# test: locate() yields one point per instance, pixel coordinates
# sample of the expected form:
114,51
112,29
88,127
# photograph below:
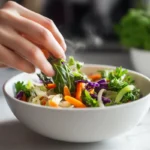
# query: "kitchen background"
86,24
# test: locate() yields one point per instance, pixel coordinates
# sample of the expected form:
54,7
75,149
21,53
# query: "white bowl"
141,60
80,125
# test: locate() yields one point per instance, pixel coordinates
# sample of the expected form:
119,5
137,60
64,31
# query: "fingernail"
63,56
64,46
51,72
48,69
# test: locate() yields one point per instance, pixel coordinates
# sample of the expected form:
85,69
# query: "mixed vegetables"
70,88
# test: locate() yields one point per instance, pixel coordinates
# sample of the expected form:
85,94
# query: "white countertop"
15,136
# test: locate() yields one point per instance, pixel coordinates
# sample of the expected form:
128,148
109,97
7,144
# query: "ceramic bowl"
141,60
80,125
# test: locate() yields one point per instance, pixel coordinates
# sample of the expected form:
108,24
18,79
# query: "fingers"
2,65
16,20
25,48
47,23
36,32
13,60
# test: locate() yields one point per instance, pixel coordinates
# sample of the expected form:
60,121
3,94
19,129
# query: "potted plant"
133,31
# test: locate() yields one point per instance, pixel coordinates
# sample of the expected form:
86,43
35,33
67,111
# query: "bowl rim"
77,109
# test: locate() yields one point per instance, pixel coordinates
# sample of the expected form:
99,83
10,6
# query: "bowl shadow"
16,136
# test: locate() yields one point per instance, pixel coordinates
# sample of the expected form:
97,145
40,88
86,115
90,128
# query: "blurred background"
88,24
88,28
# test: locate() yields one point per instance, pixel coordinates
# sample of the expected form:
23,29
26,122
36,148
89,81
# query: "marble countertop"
15,136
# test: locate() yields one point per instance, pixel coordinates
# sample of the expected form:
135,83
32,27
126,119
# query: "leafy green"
44,78
129,79
75,64
20,86
116,84
122,92
29,85
104,73
88,100
118,73
131,96
64,74
118,78
134,29
71,61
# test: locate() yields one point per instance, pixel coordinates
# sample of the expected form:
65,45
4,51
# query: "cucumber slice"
123,91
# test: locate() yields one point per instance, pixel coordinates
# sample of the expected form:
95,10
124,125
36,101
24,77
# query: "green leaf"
88,100
104,73
131,96
65,74
44,78
71,61
118,73
116,84
133,29
20,86
118,78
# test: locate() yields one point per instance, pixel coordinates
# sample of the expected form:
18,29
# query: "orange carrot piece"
24,98
79,90
95,77
52,103
43,102
51,85
74,101
80,107
92,91
46,53
66,91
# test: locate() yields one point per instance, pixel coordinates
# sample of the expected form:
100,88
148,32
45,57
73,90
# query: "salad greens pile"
134,29
66,73
69,87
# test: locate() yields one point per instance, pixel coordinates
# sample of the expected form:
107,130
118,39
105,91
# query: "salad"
70,88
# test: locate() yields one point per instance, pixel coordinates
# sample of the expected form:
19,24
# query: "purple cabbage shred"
94,96
19,95
105,100
102,85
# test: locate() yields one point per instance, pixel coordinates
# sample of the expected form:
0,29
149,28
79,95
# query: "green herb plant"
133,29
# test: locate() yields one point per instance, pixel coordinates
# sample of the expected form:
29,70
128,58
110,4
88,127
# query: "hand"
22,35
2,65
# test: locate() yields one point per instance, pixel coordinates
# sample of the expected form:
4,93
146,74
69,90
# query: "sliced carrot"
46,53
83,86
79,90
43,102
51,85
24,98
95,77
74,101
52,103
92,91
66,91
80,107
43,98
